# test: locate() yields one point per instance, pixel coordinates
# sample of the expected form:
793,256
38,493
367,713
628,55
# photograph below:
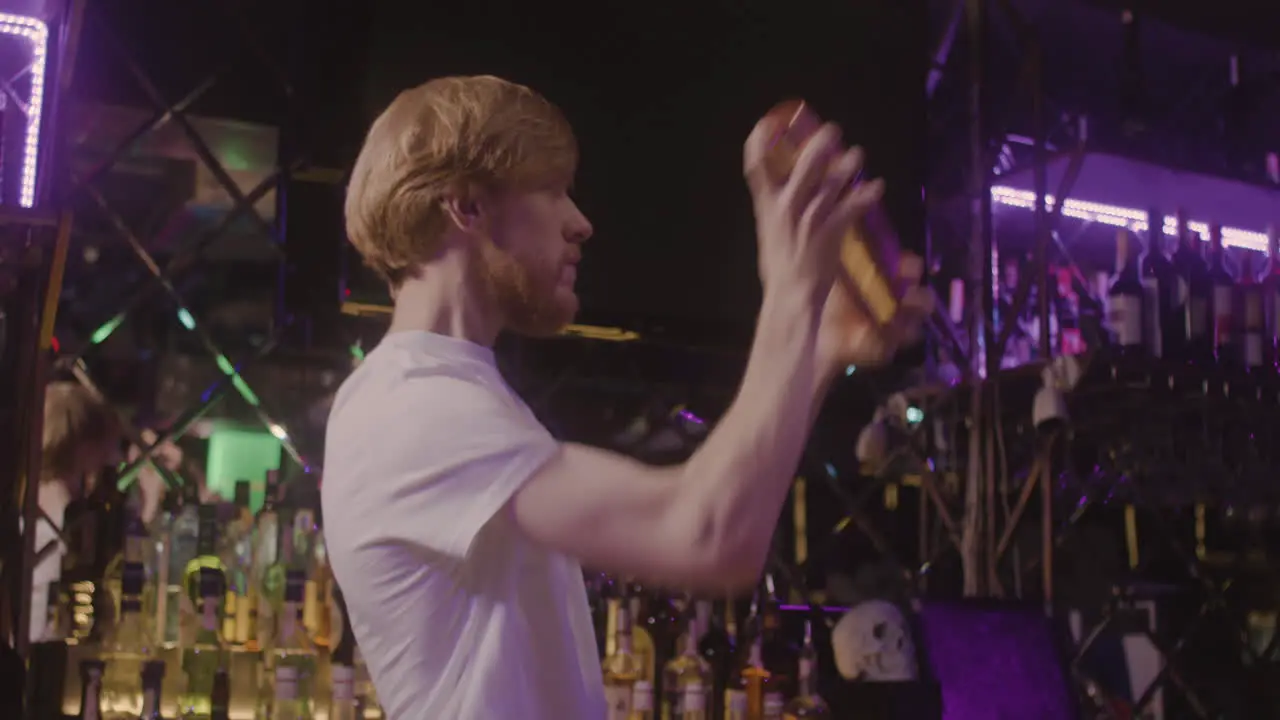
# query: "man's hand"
800,219
846,336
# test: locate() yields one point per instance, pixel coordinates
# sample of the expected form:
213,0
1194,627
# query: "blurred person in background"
81,437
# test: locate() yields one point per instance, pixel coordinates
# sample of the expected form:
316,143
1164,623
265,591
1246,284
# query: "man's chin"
551,320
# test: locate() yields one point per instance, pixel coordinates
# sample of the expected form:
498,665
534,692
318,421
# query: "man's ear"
465,211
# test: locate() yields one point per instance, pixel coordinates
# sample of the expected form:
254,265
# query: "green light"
184,317
237,453
357,352
850,370
107,328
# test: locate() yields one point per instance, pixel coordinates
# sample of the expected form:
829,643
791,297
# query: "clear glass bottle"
685,678
287,703
127,643
642,700
621,670
237,556
207,653
206,558
292,647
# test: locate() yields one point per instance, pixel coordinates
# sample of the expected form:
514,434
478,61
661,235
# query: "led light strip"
37,33
1135,220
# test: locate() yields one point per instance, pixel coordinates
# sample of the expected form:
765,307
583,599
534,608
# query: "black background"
662,96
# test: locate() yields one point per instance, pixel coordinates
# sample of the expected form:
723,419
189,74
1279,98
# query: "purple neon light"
37,33
1133,219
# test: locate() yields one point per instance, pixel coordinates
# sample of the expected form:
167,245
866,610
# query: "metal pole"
971,550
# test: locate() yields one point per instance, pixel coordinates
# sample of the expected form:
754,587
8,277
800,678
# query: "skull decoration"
872,642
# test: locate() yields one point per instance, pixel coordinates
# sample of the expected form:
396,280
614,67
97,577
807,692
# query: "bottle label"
735,704
1198,318
1275,313
286,689
1253,350
1124,315
693,699
1223,313
343,688
642,697
618,698
773,706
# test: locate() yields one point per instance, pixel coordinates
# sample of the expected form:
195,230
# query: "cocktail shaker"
869,252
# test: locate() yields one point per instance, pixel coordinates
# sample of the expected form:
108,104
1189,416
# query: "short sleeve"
434,462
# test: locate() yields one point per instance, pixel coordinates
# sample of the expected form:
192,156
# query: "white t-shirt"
457,614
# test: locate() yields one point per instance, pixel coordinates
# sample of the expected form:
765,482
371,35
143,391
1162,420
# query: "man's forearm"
736,482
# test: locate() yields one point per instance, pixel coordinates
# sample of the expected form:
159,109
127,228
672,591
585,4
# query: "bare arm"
707,523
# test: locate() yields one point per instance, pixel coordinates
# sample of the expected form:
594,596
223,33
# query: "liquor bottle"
182,535
237,556
1124,301
717,648
808,704
748,685
152,688
206,557
662,622
127,643
641,641
642,701
271,530
342,698
869,253
292,646
621,670
686,669
1160,285
287,702
773,708
1270,280
91,689
779,656
206,654
1195,290
1225,335
342,659
1252,317
219,696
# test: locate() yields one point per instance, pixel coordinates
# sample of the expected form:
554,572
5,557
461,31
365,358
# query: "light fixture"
37,33
1131,218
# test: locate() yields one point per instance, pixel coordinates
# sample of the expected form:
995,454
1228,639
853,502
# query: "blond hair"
448,137
75,418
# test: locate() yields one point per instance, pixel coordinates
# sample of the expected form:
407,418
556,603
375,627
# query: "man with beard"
455,523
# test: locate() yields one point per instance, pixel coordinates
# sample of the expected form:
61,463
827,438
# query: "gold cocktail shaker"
869,252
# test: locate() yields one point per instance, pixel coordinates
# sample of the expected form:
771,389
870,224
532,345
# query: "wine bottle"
1195,295
1160,284
1124,301
1225,318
